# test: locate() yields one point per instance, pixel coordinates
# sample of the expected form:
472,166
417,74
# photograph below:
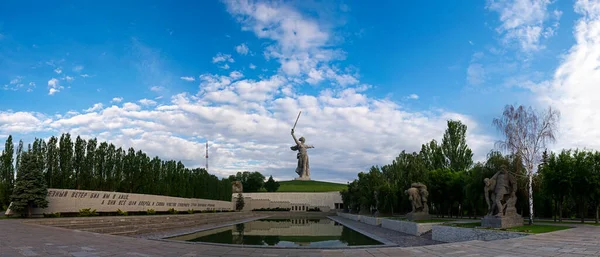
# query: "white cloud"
84,75
32,84
54,86
413,96
475,74
69,78
147,102
96,107
574,87
156,88
252,132
525,22
252,66
188,78
220,57
236,75
242,49
15,80
225,67
131,107
58,71
78,68
116,100
301,44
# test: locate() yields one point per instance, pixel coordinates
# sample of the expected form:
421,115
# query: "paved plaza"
20,239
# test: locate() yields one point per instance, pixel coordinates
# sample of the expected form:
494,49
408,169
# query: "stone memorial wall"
296,201
71,201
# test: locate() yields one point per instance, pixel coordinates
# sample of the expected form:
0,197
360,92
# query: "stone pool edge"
374,237
386,243
176,234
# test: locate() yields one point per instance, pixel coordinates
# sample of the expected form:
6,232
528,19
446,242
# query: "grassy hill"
309,186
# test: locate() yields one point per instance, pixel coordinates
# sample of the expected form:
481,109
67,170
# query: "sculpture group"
500,195
417,195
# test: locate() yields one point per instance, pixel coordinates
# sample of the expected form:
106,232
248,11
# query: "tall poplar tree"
66,160
7,172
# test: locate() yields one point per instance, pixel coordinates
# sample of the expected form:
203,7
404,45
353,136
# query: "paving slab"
19,239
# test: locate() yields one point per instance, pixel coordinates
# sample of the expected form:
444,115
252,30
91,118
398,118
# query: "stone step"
128,219
157,226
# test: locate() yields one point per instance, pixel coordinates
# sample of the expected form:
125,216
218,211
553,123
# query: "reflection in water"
284,232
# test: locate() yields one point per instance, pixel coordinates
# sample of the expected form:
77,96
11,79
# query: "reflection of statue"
417,194
500,193
303,168
236,187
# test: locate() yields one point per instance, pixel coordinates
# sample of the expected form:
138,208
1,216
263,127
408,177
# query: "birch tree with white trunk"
526,133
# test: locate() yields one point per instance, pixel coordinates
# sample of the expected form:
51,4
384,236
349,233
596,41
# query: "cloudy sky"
370,79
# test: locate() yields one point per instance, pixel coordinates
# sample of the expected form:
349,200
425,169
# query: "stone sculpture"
500,195
236,187
417,194
303,168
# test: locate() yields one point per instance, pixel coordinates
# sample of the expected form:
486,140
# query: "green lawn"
533,229
467,225
537,229
568,222
419,221
309,186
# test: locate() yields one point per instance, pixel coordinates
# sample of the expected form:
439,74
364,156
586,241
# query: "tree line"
255,181
92,165
566,184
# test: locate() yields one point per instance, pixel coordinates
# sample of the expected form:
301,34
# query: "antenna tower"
206,156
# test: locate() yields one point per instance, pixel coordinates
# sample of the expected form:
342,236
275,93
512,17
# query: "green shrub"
150,212
316,209
52,215
190,211
173,211
87,212
272,209
121,213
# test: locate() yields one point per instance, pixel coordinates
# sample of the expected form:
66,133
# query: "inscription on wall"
67,200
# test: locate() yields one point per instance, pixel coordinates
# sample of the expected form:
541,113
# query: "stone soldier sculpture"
303,168
417,194
500,194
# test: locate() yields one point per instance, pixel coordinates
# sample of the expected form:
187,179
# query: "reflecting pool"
296,232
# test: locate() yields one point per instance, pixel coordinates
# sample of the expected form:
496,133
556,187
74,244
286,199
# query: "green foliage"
30,189
271,185
309,186
190,211
52,215
7,172
121,213
150,212
94,165
88,212
316,209
172,211
272,209
251,181
454,146
239,203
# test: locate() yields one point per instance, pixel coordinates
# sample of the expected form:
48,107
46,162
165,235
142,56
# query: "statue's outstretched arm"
309,146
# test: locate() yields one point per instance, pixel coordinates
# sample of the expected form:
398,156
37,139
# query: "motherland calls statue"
417,194
303,168
500,195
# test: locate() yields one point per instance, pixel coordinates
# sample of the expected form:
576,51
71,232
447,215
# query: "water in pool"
297,232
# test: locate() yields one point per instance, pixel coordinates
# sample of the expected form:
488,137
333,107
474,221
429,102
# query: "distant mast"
206,156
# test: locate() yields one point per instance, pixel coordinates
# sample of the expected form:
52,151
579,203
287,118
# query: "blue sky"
371,79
